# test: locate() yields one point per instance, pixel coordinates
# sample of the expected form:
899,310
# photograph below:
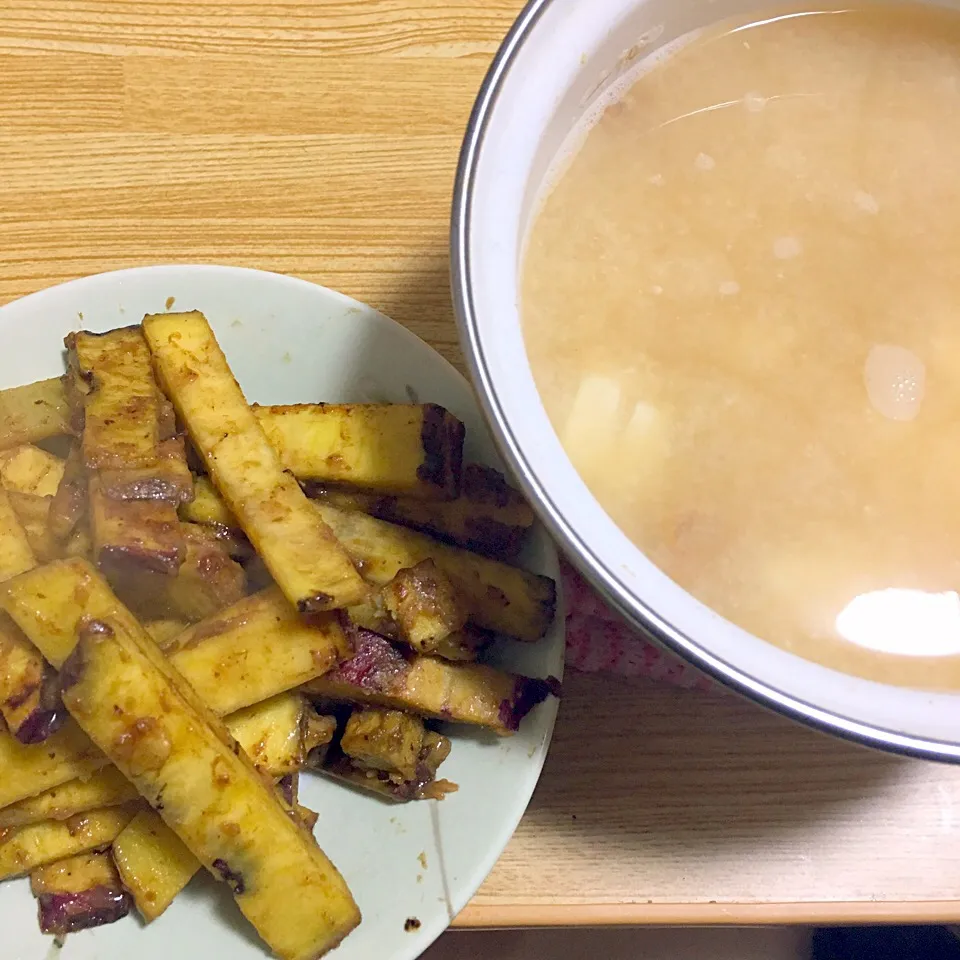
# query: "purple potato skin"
63,913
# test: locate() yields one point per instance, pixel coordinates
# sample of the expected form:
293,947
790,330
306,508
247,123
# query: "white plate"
290,341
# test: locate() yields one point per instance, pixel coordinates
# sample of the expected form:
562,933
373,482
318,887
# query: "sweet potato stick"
414,450
299,550
33,412
145,717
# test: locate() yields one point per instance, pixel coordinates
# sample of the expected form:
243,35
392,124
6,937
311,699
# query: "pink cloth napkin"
600,641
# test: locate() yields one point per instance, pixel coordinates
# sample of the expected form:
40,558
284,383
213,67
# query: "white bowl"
290,341
557,60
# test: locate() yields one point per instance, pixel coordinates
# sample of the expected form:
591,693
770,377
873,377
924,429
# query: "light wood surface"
318,138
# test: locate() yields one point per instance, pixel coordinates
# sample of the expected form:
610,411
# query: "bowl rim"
636,611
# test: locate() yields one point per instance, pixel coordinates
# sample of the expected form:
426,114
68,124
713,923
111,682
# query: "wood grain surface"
319,138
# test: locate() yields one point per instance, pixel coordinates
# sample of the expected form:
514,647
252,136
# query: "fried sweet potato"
425,606
153,863
137,709
79,543
208,506
254,649
70,500
29,702
23,849
387,740
501,598
15,553
135,534
29,691
207,581
121,405
318,729
49,603
488,517
412,450
289,787
169,479
249,652
30,769
33,412
277,735
372,614
463,645
272,734
28,469
164,632
33,512
78,893
233,540
379,675
301,553
105,788
423,785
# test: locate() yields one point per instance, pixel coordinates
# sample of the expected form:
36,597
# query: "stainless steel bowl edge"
573,545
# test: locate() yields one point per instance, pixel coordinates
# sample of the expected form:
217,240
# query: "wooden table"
318,138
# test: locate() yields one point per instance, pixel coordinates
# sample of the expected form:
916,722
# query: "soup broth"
741,303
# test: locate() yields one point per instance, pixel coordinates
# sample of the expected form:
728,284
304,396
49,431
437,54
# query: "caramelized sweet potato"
414,450
153,863
140,535
70,500
15,553
425,606
169,479
29,701
387,740
207,581
31,769
208,507
78,893
28,469
23,849
272,734
33,512
301,553
488,517
33,412
422,785
277,736
120,398
254,649
29,691
318,730
104,788
247,653
138,710
164,631
380,675
79,543
500,598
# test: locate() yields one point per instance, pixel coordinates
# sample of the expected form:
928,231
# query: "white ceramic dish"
291,341
555,64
